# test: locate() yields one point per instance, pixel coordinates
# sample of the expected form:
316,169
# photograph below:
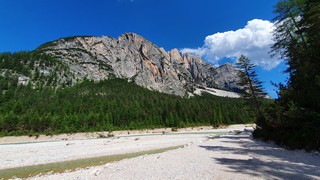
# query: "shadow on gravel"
267,160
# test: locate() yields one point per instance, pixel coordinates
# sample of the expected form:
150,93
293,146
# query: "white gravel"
233,156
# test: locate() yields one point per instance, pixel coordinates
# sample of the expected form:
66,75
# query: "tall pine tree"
253,90
294,119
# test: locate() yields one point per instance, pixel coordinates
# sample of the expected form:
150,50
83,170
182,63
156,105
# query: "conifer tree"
253,90
294,119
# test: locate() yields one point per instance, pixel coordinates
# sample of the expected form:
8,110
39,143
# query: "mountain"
102,80
132,57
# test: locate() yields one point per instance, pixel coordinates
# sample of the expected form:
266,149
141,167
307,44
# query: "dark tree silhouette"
253,90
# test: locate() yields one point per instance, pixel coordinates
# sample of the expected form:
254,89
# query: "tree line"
110,105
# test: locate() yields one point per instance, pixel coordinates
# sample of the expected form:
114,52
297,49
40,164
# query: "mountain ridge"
133,57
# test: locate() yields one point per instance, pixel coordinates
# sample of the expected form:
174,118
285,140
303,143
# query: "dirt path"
233,156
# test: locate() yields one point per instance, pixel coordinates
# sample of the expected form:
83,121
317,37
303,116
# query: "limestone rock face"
133,57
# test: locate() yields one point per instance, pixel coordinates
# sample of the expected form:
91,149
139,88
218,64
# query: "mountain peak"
132,34
129,36
133,57
227,65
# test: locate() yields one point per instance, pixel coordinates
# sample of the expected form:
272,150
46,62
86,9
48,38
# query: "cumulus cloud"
254,41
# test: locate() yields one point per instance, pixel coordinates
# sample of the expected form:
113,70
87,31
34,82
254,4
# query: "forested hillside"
32,68
110,105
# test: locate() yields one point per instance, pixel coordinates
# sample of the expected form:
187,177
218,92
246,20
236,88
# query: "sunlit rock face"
132,57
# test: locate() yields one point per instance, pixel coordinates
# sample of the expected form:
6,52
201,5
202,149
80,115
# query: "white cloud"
254,41
198,51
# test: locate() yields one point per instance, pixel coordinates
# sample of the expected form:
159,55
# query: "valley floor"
205,154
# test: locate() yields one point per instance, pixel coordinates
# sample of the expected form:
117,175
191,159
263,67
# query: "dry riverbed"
200,153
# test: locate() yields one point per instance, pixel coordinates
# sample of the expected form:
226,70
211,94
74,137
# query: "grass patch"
59,167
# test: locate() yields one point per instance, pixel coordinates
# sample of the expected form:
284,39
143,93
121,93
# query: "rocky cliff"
133,57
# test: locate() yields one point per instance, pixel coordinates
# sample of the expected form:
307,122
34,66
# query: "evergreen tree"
294,119
253,90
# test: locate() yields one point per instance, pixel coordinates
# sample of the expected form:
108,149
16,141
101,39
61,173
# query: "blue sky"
183,24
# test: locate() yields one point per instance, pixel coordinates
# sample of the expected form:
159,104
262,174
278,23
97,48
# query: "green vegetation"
294,119
42,70
59,167
110,105
46,103
253,90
